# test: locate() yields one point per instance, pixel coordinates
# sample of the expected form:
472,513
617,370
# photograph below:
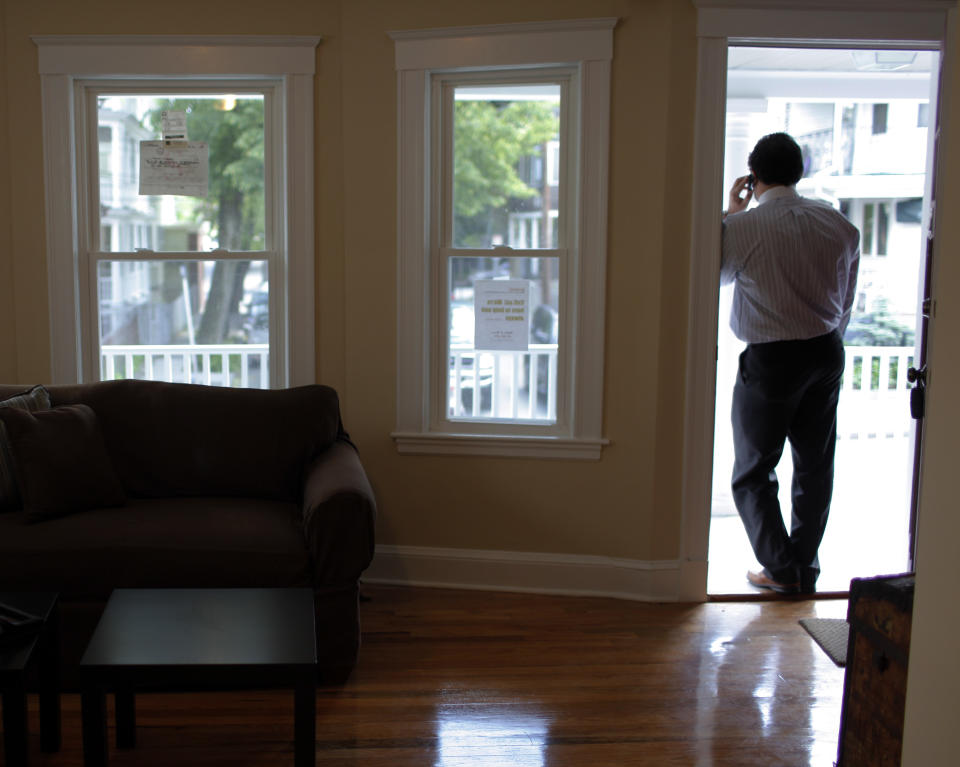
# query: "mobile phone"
750,182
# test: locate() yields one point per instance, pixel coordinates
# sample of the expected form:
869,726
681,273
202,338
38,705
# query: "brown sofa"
220,488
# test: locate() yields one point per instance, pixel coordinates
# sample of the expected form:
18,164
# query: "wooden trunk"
875,681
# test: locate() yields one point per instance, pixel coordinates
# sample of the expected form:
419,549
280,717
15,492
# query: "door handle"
918,394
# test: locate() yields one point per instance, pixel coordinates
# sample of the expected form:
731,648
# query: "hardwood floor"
478,679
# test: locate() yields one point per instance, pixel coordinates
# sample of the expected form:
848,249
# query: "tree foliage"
235,203
490,138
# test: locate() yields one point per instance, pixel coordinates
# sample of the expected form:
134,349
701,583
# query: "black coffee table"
199,639
16,656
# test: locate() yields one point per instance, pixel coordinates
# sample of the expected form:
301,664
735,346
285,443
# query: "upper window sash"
88,91
443,88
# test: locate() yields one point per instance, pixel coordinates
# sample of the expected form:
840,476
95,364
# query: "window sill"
499,446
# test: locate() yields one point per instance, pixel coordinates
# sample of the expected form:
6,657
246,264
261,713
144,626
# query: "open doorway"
862,119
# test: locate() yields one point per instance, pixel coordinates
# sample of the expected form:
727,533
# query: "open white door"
720,25
862,118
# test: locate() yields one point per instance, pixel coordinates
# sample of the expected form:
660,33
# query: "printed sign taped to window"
173,125
174,167
501,315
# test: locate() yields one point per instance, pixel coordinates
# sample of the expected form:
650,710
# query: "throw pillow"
33,399
61,461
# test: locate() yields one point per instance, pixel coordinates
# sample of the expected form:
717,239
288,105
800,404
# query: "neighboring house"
130,222
868,160
527,227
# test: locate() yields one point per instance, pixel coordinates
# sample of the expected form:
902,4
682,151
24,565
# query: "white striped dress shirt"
794,263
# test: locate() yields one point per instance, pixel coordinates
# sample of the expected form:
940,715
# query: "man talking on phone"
793,262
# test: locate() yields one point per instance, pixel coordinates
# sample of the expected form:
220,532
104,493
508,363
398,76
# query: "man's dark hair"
777,159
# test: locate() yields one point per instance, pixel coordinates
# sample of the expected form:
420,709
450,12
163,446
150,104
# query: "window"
496,239
812,125
883,227
874,228
208,284
178,320
503,167
880,118
910,211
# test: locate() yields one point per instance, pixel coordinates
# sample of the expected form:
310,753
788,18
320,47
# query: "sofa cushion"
170,439
61,463
33,399
157,543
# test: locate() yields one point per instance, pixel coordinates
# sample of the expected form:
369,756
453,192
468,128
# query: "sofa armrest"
339,511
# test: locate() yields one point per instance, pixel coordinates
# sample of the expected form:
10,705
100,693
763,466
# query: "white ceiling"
827,74
813,60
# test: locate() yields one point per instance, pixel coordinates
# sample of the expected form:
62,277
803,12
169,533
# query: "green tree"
235,201
490,138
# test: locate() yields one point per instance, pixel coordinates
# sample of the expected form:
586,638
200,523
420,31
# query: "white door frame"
844,23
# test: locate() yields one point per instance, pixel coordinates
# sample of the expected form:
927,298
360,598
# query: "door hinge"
929,307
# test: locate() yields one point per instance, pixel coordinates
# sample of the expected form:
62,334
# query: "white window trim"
66,59
845,23
587,44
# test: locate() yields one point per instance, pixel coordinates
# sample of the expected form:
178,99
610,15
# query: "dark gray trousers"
786,390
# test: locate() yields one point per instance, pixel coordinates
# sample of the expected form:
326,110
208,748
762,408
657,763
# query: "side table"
190,639
16,656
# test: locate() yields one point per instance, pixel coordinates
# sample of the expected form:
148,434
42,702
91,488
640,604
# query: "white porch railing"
874,396
236,365
519,385
873,429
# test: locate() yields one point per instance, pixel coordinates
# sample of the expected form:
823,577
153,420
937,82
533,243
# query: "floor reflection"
485,738
455,678
753,681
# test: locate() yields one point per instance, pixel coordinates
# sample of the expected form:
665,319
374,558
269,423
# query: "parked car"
256,315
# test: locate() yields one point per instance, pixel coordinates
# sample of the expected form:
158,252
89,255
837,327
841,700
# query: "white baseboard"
572,575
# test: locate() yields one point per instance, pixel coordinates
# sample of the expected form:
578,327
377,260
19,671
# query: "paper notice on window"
175,167
173,125
501,315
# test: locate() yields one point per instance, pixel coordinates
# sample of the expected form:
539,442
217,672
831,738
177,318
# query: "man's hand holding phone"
741,193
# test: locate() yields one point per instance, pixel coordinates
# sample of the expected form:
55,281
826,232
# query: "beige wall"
8,338
627,504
